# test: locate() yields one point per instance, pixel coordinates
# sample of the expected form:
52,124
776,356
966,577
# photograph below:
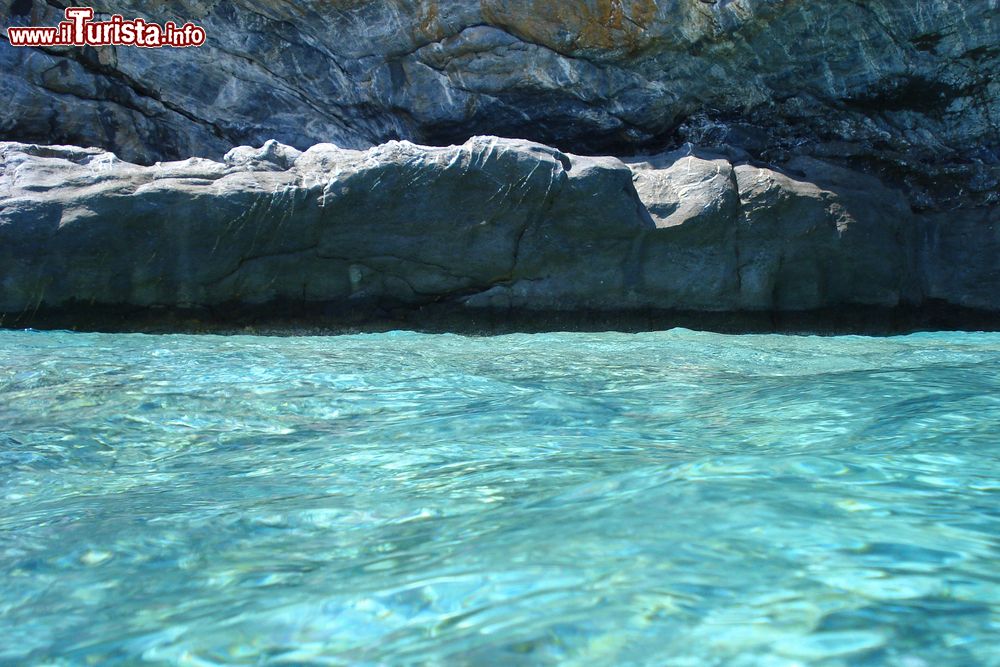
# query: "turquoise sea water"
675,498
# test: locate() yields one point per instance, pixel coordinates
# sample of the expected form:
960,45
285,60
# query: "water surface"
674,498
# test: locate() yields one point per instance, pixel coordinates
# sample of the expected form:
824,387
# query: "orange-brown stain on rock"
569,25
564,26
428,25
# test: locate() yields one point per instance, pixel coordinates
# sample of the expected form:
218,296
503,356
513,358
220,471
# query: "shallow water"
671,498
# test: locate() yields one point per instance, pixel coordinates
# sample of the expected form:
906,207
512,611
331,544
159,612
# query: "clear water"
674,498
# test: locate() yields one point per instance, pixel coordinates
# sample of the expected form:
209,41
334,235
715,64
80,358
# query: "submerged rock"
491,225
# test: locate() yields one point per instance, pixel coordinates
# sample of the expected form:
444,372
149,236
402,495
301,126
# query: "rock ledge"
493,225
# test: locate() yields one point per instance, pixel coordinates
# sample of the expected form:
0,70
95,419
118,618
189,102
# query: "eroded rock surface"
492,224
902,89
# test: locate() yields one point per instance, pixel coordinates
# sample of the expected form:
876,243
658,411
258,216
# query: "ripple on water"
673,498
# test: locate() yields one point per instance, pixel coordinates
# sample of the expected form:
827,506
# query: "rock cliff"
491,225
771,155
905,89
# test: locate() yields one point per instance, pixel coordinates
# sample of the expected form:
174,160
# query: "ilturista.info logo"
80,29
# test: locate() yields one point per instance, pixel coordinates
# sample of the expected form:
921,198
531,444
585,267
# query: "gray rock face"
491,225
905,90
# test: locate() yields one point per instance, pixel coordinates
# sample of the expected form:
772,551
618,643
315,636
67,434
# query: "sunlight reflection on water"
673,498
